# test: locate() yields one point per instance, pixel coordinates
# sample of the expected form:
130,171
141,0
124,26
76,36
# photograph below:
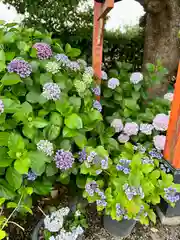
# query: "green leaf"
14,178
152,216
51,170
65,144
112,144
81,141
23,46
2,234
10,106
33,97
150,67
51,132
74,122
75,102
64,178
95,115
2,200
4,136
131,104
68,133
56,119
29,132
2,56
42,189
39,122
22,165
10,55
63,106
11,205
16,143
6,192
68,48
2,66
81,181
74,52
38,162
5,160
10,79
33,53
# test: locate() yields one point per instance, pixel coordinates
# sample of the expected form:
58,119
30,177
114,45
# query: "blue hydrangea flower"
100,193
155,154
97,90
44,50
123,166
62,59
119,210
64,159
104,75
147,160
21,67
1,107
113,83
31,176
82,155
73,66
91,188
99,171
89,70
51,91
171,194
101,203
46,147
104,163
97,105
131,191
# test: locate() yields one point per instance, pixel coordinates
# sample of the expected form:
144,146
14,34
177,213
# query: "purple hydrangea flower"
31,176
64,159
101,203
155,154
97,105
74,66
82,155
21,67
123,166
119,210
97,90
1,107
51,91
171,194
91,188
104,163
44,51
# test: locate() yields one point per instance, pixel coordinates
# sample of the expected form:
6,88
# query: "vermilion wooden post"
100,12
172,147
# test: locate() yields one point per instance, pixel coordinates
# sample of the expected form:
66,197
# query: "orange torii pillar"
172,147
101,9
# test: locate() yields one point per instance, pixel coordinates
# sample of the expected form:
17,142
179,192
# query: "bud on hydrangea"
52,67
62,59
146,128
131,129
97,105
159,142
1,107
73,66
104,75
89,71
169,96
80,86
97,90
87,78
46,147
113,83
123,138
51,91
136,77
64,159
161,122
82,63
117,125
21,67
43,50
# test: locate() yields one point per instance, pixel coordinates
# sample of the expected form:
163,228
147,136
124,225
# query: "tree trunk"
161,35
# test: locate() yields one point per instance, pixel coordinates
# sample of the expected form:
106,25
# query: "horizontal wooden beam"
107,6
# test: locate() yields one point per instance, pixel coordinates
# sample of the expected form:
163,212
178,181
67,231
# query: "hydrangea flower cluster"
161,122
164,168
156,154
131,128
97,90
113,83
82,155
171,195
94,159
117,124
52,67
46,147
159,142
1,107
104,75
131,191
62,59
119,210
146,160
139,147
31,176
123,138
51,91
97,105
73,66
80,86
44,51
82,63
87,79
123,166
54,222
73,235
21,67
169,96
89,71
64,160
146,128
136,77
91,188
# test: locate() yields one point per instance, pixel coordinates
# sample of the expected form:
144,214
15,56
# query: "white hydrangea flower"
89,70
52,238
123,138
64,235
104,75
77,213
117,125
52,67
51,91
131,128
161,122
136,77
159,142
46,147
169,96
146,128
113,83
87,78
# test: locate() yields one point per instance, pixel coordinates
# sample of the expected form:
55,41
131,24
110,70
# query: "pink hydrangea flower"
161,122
44,50
117,125
123,138
159,142
131,129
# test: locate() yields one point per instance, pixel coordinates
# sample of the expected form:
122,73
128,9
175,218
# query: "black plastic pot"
119,229
35,234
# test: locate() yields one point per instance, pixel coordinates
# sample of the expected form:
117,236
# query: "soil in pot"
119,229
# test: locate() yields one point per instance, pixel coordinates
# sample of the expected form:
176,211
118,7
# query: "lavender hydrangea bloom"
1,107
147,160
171,194
100,194
82,155
89,71
73,66
43,50
97,90
101,203
119,210
131,191
124,166
156,154
123,138
104,163
104,75
62,59
31,176
131,128
51,91
146,128
91,188
64,159
46,147
82,63
21,67
113,83
97,105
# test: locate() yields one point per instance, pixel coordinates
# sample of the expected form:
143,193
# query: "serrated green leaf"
11,205
74,121
22,165
10,79
80,141
14,178
38,162
4,136
39,122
